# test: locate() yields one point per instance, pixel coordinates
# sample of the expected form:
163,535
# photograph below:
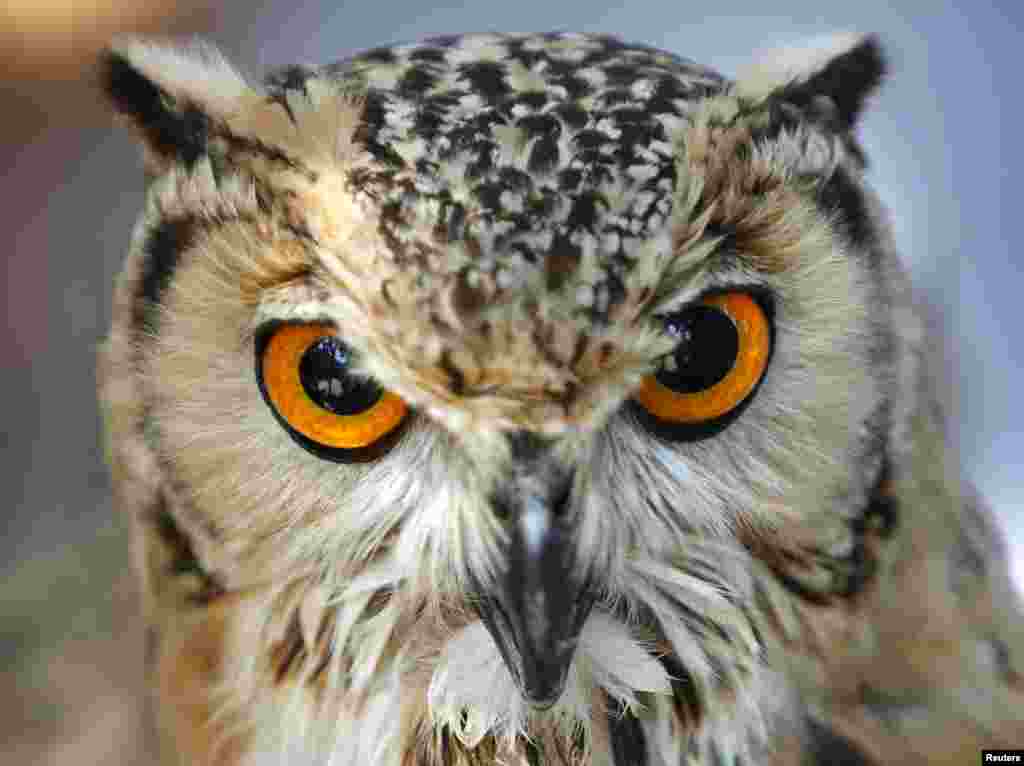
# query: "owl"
539,399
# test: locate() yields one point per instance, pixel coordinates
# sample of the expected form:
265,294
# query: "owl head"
519,358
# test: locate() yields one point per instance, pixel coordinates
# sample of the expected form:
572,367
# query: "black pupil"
323,371
706,351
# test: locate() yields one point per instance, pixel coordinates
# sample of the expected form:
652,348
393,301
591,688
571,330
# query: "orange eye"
305,376
722,352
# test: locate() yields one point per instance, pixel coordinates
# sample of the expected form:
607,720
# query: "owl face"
540,332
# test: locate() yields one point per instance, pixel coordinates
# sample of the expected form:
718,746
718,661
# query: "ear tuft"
169,129
842,70
170,95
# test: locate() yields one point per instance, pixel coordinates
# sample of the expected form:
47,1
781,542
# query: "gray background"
942,136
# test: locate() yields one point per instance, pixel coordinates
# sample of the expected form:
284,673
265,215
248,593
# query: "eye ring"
715,401
354,419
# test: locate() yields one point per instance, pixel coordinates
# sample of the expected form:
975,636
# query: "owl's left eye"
304,372
722,349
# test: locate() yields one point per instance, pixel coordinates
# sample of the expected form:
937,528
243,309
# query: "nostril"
529,447
509,501
500,506
561,494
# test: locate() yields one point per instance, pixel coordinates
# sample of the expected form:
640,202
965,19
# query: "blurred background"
942,136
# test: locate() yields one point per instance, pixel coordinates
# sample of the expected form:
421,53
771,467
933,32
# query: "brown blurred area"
71,654
46,46
47,55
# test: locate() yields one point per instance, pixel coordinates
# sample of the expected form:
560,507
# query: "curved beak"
536,616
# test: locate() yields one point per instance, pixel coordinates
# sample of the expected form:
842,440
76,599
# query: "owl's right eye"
304,373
